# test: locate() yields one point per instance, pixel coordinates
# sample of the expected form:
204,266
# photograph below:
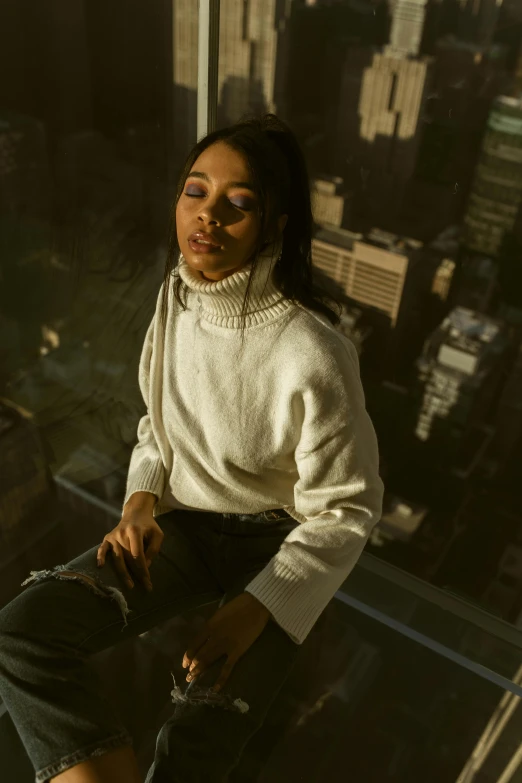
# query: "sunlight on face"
218,199
215,206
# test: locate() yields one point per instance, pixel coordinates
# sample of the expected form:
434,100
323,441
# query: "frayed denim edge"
121,740
207,696
105,591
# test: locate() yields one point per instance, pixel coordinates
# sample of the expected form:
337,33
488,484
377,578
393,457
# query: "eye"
245,206
242,206
193,195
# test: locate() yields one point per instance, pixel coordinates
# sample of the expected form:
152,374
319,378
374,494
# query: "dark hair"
279,173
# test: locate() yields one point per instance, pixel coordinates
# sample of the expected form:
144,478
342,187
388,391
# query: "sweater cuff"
150,477
291,600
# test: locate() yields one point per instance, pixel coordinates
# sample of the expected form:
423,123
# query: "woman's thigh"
90,608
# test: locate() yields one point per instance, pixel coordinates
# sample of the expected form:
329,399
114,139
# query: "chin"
203,263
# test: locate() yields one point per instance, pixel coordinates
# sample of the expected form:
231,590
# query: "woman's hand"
134,542
230,631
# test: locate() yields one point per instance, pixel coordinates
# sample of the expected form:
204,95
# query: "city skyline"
409,114
398,285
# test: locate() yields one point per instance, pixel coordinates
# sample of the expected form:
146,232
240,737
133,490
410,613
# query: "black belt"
271,515
276,513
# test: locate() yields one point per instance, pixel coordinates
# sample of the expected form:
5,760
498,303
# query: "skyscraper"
382,99
457,371
473,21
330,201
253,43
393,92
478,20
496,193
407,27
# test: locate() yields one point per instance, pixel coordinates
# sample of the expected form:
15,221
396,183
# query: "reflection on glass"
88,163
410,116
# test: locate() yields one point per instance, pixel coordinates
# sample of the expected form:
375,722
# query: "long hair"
280,179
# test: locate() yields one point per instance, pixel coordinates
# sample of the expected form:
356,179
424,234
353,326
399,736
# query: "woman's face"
218,200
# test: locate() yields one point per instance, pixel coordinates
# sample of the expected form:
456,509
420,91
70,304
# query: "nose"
209,212
207,220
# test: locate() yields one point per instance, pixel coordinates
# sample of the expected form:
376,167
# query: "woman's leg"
50,630
116,766
202,742
204,738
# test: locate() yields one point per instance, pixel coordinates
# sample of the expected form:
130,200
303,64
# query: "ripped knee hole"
80,576
96,586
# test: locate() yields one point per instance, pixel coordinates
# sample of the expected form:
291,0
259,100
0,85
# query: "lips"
203,237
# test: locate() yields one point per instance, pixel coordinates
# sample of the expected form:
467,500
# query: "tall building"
371,270
496,193
330,201
474,21
466,79
457,370
253,43
379,124
443,278
407,27
393,93
478,20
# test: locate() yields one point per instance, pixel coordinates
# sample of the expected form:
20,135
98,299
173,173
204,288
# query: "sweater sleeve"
146,469
338,499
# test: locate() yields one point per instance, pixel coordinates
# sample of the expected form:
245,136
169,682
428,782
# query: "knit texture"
278,423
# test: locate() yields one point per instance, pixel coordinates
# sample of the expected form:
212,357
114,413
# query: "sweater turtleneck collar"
221,302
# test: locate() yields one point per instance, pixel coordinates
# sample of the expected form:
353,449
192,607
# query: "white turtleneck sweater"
281,424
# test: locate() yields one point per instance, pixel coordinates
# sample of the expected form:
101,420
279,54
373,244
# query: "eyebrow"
204,176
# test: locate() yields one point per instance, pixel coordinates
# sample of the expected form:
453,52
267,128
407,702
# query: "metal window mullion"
439,649
474,615
208,61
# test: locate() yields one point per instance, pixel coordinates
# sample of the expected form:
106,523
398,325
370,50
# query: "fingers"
119,563
154,545
118,553
203,653
127,544
204,658
199,640
102,553
136,548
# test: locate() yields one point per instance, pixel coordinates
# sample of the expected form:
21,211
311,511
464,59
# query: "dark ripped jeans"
49,631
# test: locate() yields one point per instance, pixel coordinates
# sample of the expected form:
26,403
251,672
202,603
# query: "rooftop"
401,519
509,101
469,330
506,115
338,236
376,237
462,343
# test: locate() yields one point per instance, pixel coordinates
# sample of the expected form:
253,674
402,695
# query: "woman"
254,482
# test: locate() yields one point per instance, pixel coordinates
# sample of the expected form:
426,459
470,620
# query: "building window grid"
376,276
489,163
381,295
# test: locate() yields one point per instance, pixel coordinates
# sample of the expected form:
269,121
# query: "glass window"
97,111
411,125
409,115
